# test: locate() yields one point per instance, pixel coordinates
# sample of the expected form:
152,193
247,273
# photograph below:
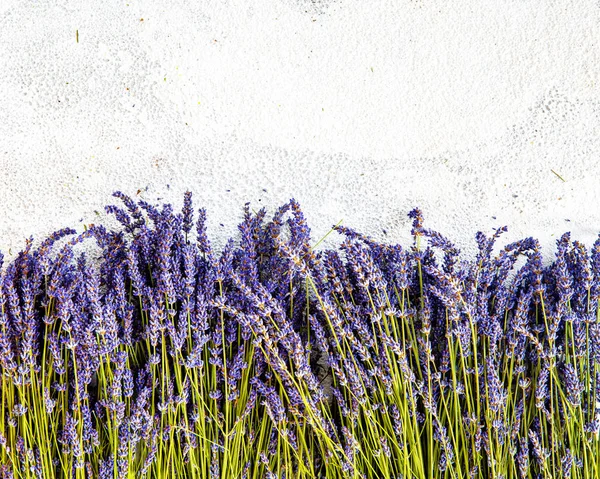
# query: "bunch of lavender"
162,358
478,369
137,362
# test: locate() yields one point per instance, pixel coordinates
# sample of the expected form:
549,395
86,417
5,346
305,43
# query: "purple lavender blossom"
573,386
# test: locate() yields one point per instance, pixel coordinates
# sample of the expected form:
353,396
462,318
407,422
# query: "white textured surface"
360,110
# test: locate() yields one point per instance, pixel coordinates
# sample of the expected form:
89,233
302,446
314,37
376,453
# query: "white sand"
360,110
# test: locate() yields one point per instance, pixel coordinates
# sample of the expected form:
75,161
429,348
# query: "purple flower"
573,386
564,284
523,458
214,464
202,240
188,212
541,391
272,401
541,454
133,209
497,395
567,464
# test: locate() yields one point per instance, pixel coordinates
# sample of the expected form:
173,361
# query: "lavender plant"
160,357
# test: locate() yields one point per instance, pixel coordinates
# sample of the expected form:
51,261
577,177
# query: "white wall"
360,110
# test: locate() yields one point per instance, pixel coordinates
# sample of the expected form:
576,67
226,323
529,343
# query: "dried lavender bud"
214,465
541,392
567,464
188,212
19,410
572,385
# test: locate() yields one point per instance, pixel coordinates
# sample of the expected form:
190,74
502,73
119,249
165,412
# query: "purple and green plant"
153,355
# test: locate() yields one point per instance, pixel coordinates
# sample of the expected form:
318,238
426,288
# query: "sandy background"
360,110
